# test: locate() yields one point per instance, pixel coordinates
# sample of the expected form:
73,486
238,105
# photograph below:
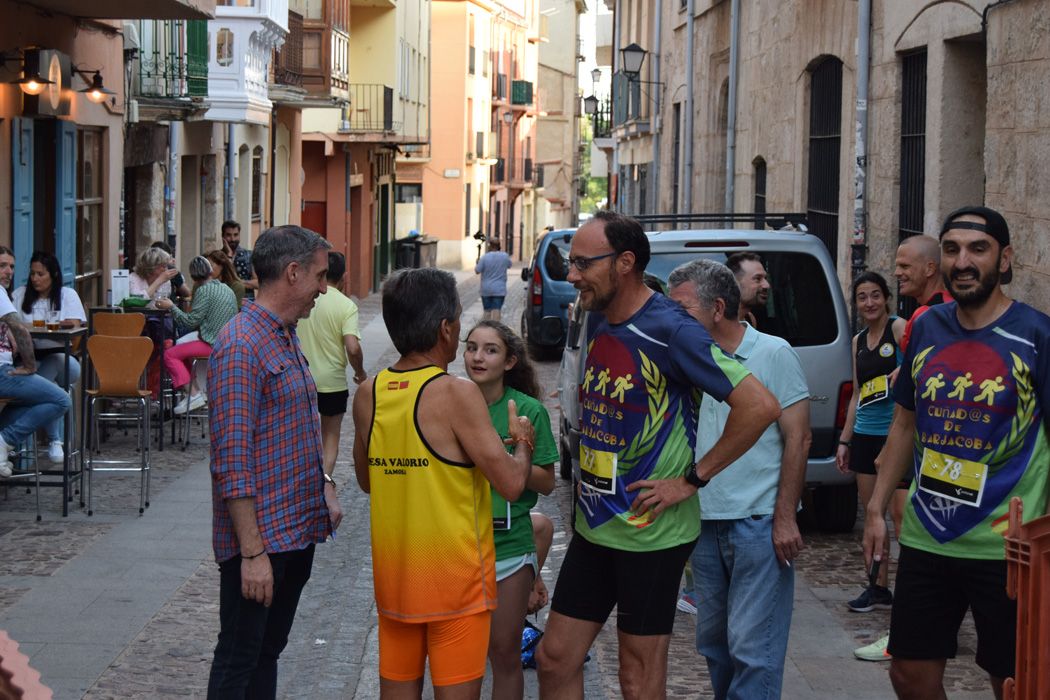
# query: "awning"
130,9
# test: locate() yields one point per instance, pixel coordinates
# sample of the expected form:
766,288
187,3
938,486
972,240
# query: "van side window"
556,260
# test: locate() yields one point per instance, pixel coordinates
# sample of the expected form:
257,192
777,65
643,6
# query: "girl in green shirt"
497,362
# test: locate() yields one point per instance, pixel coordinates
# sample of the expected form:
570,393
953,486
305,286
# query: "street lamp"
632,56
596,75
96,91
590,105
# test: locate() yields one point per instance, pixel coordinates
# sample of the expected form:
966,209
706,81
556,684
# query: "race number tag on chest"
598,469
874,390
959,480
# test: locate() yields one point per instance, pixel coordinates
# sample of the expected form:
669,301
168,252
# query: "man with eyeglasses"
637,515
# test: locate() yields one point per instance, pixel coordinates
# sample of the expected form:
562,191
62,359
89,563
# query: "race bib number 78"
956,479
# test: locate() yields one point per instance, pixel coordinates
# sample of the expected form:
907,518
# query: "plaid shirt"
265,435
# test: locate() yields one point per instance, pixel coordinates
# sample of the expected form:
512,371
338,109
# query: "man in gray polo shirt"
742,575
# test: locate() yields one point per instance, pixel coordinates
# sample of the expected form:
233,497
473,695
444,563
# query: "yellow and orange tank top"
432,552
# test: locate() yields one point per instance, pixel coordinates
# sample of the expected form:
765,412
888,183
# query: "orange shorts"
457,648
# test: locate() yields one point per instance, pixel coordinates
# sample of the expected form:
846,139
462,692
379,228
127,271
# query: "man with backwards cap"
973,399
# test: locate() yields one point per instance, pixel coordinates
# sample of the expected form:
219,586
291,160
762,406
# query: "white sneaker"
5,463
180,407
5,469
55,452
197,401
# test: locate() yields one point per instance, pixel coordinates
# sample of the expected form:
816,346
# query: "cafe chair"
119,363
24,460
124,325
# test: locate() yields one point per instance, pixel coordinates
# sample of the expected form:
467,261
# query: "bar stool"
119,363
201,414
27,465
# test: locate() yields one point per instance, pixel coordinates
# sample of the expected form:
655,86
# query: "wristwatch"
694,479
329,480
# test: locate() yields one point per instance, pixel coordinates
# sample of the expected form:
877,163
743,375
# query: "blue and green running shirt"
980,400
638,401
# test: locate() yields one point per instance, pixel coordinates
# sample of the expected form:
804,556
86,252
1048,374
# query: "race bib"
959,480
874,390
500,512
598,469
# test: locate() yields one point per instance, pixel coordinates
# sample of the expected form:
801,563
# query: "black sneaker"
872,597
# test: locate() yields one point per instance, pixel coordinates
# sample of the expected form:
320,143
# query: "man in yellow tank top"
426,452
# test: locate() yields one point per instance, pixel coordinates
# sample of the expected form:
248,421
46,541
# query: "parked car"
548,294
806,307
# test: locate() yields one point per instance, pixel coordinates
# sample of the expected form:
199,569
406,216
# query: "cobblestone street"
95,648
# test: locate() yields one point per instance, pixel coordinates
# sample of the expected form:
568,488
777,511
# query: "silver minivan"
805,307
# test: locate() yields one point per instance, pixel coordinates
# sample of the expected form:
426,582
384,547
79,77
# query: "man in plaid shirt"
272,500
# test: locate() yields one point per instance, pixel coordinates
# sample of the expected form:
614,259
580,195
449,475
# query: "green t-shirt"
517,539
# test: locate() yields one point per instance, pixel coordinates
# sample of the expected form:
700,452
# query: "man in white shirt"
35,401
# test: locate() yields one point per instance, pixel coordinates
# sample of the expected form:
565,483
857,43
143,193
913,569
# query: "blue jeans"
252,637
53,369
37,403
743,600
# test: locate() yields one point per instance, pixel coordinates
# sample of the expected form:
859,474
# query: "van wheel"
835,507
565,468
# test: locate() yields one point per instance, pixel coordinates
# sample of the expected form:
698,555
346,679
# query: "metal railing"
498,171
173,58
602,120
372,107
288,68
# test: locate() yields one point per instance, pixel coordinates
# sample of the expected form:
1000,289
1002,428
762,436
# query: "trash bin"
407,253
427,253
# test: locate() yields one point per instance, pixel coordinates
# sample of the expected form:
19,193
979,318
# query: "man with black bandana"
971,422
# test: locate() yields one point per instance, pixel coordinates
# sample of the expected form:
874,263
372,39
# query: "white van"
805,307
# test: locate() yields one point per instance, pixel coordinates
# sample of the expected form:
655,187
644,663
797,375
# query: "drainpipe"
231,163
171,183
614,168
657,114
687,176
859,247
734,76
273,160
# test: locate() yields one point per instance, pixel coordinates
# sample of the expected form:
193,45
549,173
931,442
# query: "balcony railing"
288,68
521,92
498,171
372,107
601,120
173,58
275,11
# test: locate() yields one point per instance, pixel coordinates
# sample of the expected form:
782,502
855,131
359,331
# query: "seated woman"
213,305
224,271
151,278
45,299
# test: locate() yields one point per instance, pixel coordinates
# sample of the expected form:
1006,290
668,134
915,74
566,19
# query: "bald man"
918,272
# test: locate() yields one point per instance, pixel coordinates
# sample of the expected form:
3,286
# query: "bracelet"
845,443
254,556
526,441
329,480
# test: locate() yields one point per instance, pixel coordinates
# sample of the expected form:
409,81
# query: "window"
257,184
913,155
312,50
676,146
224,47
466,228
409,193
90,175
825,125
800,308
556,259
759,165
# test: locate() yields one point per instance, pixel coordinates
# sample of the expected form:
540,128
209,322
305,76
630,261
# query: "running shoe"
686,603
876,651
55,452
872,597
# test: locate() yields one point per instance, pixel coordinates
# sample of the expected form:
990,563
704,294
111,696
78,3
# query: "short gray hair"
200,268
415,302
149,260
280,246
710,280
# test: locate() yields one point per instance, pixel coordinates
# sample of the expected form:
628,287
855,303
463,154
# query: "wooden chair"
119,363
124,325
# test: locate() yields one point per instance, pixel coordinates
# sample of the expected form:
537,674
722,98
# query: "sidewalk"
123,606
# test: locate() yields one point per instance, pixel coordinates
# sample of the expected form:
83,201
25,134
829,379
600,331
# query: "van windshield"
800,308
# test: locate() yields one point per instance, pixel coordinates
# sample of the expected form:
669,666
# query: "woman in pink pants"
213,305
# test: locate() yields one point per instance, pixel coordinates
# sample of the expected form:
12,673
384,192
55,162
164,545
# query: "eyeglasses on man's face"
581,262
